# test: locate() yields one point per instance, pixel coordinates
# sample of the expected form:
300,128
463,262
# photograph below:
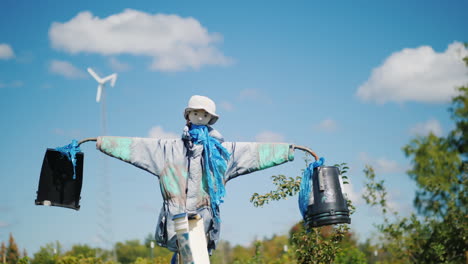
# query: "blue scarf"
305,189
70,151
215,158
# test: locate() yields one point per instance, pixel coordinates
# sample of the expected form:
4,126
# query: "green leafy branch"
285,186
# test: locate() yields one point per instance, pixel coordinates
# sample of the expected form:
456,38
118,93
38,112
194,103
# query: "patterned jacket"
178,165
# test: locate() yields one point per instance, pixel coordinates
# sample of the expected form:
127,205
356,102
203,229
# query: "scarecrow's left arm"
149,154
247,157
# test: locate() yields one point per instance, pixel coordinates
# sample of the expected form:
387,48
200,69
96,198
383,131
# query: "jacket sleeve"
149,154
247,157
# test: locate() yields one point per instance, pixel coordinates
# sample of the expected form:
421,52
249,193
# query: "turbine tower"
104,225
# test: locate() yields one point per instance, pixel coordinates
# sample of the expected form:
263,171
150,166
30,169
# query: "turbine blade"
111,78
98,95
114,79
95,76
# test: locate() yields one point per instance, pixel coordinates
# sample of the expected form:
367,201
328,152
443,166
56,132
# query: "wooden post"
191,239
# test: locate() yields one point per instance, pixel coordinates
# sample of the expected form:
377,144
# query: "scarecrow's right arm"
247,157
149,154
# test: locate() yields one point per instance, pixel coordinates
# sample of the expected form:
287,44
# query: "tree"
81,250
222,254
440,169
241,254
47,254
310,245
3,251
318,245
129,251
161,254
12,254
439,232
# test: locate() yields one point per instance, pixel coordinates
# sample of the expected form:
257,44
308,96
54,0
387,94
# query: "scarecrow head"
201,110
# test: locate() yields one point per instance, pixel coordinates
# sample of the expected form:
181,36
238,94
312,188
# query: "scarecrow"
193,171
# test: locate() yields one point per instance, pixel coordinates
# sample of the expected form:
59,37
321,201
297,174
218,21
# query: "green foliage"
24,260
436,170
459,111
266,251
440,169
223,253
159,253
258,257
3,251
12,252
129,251
317,245
350,255
285,187
375,193
343,168
51,253
47,254
141,260
311,245
82,250
242,254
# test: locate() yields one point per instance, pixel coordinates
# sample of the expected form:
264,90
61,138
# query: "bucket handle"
320,176
306,149
86,140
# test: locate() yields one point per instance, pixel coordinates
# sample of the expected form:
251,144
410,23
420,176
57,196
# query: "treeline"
11,253
128,252
275,250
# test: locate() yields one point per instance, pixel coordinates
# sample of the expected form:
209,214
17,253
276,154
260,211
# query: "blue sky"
354,81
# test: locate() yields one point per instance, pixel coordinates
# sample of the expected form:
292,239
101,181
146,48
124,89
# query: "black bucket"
327,205
58,184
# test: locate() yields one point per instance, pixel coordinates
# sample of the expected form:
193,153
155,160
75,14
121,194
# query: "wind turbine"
102,81
104,222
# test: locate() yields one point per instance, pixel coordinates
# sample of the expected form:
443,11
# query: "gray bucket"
327,205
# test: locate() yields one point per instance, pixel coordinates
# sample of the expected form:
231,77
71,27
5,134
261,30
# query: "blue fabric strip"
306,188
70,151
215,158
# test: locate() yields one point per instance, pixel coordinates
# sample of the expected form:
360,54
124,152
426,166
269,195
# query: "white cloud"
6,52
16,84
46,86
226,106
425,128
418,74
327,125
158,132
13,84
268,136
117,65
254,95
66,69
381,165
351,194
175,43
4,224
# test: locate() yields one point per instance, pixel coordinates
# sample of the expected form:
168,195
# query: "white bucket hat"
198,102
